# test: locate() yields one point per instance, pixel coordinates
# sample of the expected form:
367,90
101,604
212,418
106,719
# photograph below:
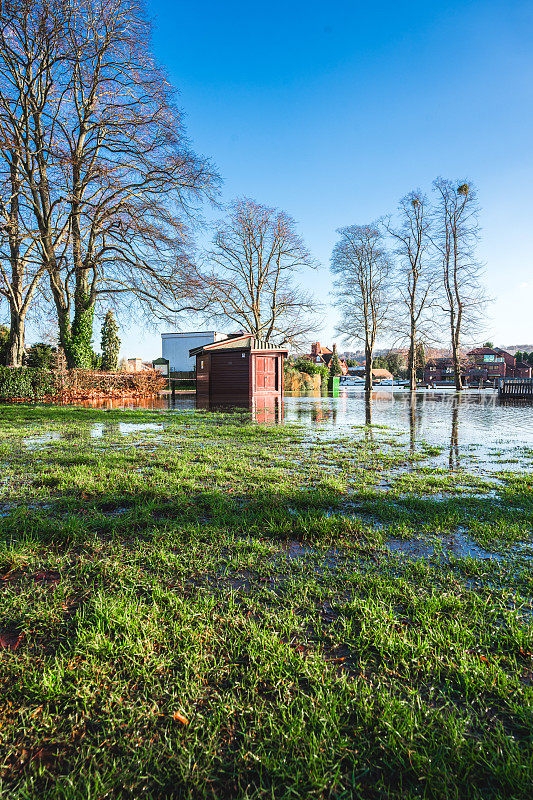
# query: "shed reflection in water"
267,410
464,424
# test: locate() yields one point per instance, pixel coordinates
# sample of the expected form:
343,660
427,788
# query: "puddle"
458,545
100,429
35,442
328,558
97,431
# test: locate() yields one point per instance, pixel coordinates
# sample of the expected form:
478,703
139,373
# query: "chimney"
315,347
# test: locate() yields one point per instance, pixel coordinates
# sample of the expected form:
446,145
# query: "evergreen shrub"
25,383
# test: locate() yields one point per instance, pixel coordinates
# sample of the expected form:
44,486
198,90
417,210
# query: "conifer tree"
335,363
110,343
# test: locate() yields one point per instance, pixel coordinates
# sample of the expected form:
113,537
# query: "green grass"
208,608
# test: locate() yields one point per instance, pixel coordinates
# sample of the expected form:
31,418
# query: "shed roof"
246,341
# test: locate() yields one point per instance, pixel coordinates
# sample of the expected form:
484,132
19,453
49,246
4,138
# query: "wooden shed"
238,369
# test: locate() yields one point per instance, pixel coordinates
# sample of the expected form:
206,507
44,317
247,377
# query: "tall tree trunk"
81,352
456,362
15,352
16,290
412,357
63,314
368,368
75,332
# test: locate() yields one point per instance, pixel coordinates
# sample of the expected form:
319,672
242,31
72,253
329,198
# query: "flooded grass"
197,606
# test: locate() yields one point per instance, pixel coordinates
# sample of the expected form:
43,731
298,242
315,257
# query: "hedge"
25,383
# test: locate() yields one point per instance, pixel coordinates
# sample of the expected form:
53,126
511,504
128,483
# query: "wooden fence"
516,388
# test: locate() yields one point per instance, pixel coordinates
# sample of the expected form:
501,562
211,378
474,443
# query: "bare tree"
455,238
255,262
21,268
415,279
362,287
108,174
25,85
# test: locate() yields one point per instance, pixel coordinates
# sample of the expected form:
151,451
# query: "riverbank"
193,605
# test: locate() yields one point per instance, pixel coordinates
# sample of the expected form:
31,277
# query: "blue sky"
333,111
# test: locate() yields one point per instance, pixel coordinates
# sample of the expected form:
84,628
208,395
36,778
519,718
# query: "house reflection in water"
265,409
314,406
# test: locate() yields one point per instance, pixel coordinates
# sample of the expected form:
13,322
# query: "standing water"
469,428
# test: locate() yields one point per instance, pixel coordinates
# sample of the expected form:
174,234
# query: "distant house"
378,374
523,370
483,364
138,365
440,370
490,363
323,355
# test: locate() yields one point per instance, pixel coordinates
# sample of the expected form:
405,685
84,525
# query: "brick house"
323,355
484,364
440,370
490,363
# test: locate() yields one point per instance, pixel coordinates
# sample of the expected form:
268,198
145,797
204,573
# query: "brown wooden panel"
202,375
229,375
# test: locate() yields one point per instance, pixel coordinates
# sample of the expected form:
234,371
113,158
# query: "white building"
175,347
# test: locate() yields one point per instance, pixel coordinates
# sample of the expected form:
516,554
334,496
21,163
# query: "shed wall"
229,376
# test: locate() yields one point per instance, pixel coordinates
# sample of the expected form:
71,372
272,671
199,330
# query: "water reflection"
368,411
415,409
472,422
267,410
454,457
467,425
412,421
162,402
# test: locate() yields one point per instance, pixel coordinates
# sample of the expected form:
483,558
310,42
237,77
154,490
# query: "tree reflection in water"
454,459
425,416
412,421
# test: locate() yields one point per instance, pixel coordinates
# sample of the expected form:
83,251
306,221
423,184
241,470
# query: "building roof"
377,372
188,334
245,341
441,361
482,351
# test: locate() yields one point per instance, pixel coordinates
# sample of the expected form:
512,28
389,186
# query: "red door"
266,374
